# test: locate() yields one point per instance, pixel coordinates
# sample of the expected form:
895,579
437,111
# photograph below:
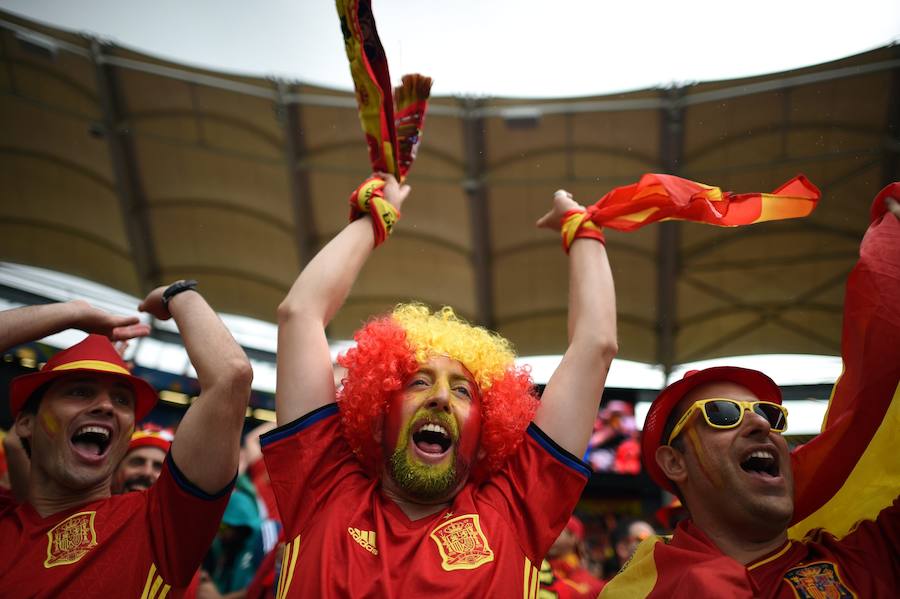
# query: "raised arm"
22,325
208,439
305,380
572,396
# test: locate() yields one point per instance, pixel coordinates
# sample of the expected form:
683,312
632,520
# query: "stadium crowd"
432,469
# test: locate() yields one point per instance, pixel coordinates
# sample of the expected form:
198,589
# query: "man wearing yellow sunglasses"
714,439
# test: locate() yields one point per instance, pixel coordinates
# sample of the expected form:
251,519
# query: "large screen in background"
614,445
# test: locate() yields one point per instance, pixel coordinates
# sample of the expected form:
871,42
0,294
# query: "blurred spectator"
569,576
236,551
255,469
15,466
671,514
143,463
625,539
614,426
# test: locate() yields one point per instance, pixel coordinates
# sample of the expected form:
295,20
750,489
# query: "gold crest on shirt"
818,579
462,544
71,539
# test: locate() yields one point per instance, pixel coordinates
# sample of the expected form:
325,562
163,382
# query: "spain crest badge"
462,543
71,539
818,580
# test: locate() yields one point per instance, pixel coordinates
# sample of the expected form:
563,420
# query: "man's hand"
252,449
394,193
893,207
117,328
153,304
207,589
562,203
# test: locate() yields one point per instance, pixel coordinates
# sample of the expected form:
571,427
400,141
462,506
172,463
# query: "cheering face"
81,430
432,430
139,470
740,477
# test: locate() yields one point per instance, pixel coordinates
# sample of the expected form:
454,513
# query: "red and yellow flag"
667,197
392,133
850,471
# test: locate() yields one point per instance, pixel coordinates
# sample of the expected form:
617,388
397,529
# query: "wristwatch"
176,288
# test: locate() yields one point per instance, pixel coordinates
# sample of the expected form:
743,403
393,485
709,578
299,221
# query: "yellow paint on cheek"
50,424
711,474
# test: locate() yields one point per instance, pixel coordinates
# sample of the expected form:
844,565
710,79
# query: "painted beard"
421,481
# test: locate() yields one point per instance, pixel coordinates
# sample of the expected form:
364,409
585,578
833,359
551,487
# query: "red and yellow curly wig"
390,349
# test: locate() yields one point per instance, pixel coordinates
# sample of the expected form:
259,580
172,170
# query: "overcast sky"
493,47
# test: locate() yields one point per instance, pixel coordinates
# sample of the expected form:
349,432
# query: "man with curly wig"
434,471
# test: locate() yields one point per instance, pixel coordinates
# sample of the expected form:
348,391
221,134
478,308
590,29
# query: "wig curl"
390,349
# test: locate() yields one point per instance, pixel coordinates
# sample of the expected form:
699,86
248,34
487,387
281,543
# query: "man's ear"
25,424
673,463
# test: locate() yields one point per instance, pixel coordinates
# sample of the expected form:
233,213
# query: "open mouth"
432,439
92,441
762,462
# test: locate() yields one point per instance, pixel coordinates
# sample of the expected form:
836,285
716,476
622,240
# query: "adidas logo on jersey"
366,538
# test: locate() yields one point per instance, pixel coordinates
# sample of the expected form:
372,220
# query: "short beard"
420,482
137,483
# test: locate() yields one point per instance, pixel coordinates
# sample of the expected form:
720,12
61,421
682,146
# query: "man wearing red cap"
75,417
143,463
563,574
714,439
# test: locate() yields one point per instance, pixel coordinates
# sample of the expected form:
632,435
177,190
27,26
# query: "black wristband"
176,288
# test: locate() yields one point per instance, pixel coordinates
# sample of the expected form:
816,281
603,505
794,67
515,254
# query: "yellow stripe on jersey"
525,581
155,584
288,563
530,580
150,576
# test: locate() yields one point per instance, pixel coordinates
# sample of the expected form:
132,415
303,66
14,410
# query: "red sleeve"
260,478
536,491
182,521
307,460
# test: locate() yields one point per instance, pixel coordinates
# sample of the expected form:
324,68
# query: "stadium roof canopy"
132,172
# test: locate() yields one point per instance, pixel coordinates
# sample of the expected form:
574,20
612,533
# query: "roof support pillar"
290,117
132,199
891,164
479,210
669,234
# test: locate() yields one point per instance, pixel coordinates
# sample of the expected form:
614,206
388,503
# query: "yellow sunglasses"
722,413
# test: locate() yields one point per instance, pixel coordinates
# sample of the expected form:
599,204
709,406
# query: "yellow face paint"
711,474
50,424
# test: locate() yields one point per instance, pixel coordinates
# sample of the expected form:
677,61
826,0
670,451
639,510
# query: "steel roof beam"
290,117
126,174
668,264
479,211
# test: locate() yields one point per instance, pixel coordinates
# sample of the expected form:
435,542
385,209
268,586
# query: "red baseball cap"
651,438
152,435
94,354
576,527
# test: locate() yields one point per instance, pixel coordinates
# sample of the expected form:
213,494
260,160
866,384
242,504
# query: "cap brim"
21,388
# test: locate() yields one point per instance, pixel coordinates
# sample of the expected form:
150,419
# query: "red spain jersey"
141,545
864,564
346,539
